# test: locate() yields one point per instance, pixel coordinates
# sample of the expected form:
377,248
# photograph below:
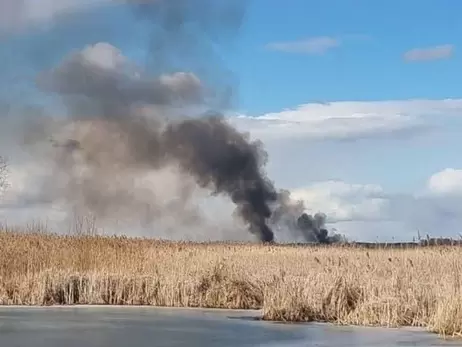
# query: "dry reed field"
386,287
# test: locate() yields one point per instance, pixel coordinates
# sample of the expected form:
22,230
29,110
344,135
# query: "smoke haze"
144,143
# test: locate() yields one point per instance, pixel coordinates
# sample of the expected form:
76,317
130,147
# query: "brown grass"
385,287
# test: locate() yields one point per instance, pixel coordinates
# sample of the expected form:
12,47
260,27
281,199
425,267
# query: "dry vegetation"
387,287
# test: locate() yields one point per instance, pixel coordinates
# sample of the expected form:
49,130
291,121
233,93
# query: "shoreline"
100,306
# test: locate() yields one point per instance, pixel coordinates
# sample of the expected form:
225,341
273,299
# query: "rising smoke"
125,122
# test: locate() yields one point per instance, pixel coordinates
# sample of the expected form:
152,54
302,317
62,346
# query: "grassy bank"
386,287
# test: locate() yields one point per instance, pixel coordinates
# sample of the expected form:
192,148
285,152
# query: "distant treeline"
422,243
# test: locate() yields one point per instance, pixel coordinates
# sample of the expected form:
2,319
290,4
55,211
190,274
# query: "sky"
357,102
347,50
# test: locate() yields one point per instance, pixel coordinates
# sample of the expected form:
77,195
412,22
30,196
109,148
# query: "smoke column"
290,216
124,121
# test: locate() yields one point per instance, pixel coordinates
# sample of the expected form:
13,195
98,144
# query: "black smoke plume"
124,121
313,229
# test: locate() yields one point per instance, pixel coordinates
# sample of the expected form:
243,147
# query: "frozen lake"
143,327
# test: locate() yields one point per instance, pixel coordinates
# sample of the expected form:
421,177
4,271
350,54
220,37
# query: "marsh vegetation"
341,284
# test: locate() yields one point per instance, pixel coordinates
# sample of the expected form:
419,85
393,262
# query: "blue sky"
382,148
368,63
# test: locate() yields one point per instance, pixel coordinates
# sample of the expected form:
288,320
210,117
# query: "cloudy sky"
358,103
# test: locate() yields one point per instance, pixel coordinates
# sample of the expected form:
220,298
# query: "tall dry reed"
386,287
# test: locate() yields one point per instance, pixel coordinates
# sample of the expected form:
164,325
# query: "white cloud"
448,181
348,119
104,56
430,53
17,14
313,45
342,201
367,212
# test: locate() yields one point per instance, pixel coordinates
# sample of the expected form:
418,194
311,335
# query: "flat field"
419,286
